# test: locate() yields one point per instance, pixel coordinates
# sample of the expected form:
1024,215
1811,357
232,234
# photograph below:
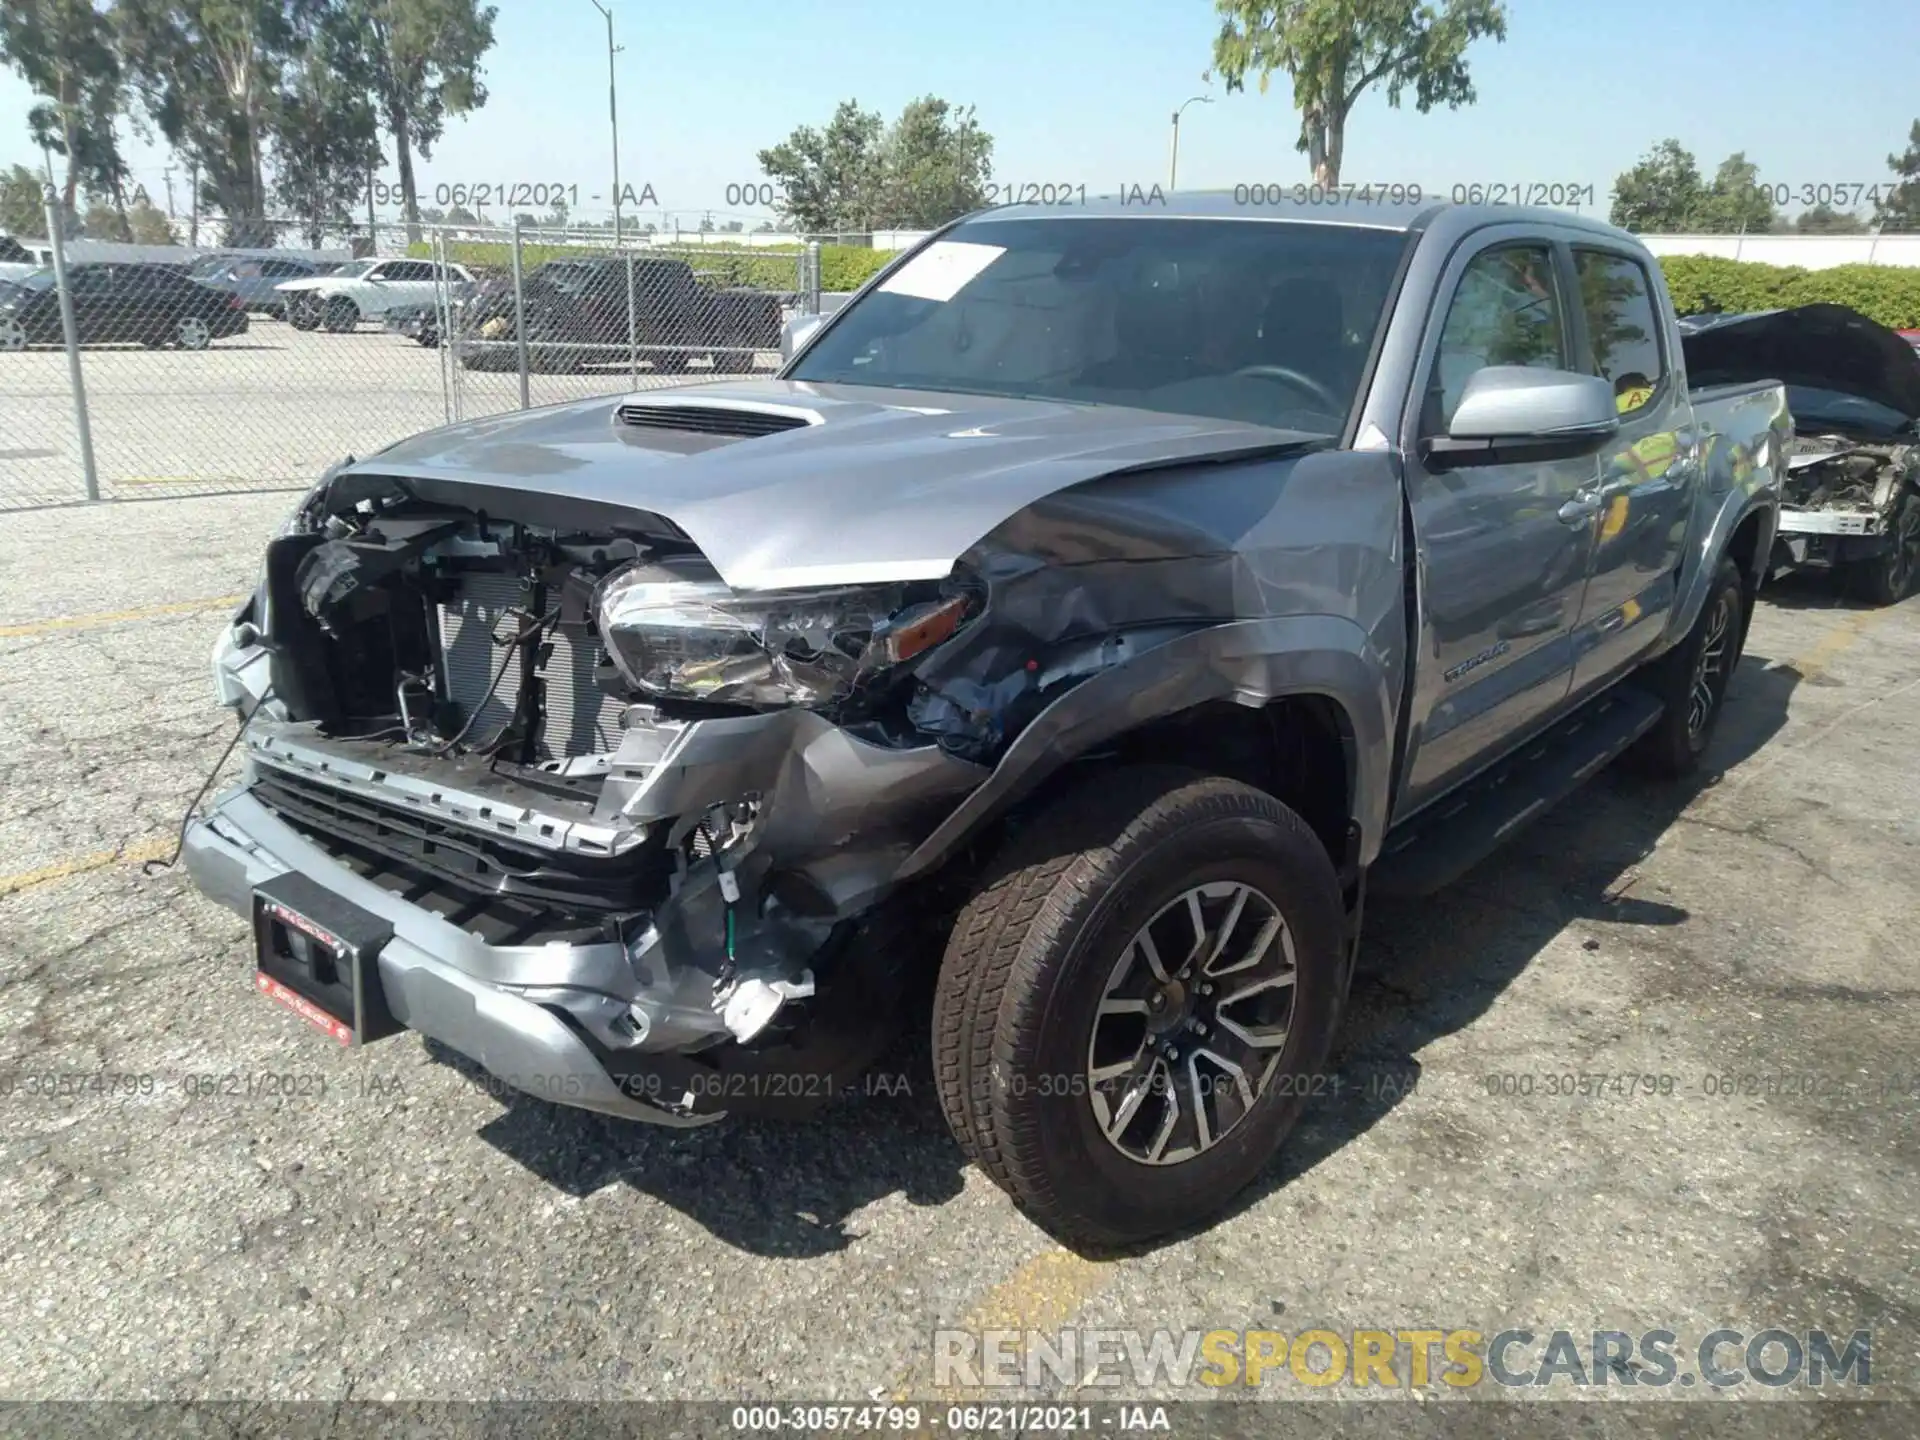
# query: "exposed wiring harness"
193,805
533,628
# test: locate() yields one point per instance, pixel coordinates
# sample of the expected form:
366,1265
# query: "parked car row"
143,304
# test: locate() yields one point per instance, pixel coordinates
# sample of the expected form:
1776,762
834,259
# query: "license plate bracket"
319,955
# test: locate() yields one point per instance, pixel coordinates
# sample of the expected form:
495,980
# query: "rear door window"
1623,331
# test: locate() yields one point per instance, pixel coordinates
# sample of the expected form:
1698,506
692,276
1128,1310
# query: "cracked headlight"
701,640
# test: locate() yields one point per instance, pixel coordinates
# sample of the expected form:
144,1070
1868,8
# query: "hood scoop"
738,422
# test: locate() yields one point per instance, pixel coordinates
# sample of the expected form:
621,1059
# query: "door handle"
1581,508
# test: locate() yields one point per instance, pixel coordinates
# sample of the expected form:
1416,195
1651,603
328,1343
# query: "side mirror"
797,332
1514,412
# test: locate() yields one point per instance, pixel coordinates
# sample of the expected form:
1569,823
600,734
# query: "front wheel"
1888,577
13,335
341,314
192,333
1134,1011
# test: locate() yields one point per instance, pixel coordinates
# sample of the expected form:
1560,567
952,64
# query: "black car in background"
134,304
582,312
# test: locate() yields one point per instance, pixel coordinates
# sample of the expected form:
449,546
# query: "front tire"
1888,578
1135,1008
341,314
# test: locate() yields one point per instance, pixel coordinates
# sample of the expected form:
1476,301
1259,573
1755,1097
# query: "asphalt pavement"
204,1198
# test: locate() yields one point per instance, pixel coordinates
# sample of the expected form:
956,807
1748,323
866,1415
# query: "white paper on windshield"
939,271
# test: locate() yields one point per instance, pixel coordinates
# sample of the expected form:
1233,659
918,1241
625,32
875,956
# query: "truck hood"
1825,347
305,282
870,485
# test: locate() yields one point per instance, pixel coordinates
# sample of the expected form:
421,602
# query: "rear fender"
1738,482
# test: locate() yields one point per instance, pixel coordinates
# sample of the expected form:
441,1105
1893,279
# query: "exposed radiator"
581,719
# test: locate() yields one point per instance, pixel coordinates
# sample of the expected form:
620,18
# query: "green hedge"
848,267
766,267
1706,283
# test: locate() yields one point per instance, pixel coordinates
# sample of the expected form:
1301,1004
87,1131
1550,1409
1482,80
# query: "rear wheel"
1692,679
341,314
302,315
192,333
1888,578
13,335
1132,1012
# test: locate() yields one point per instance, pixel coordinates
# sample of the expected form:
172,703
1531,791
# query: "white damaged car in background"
1851,502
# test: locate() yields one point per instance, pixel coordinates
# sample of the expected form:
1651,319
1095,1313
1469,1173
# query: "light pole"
613,117
1173,164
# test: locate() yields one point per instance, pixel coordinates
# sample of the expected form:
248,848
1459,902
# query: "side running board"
1450,837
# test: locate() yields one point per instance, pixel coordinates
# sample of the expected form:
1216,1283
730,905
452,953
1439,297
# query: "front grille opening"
485,868
709,419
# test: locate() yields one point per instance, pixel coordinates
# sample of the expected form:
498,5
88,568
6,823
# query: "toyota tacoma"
1117,597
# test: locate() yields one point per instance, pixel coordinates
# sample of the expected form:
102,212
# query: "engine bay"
1835,472
452,633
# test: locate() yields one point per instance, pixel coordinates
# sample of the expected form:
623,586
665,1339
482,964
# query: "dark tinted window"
1621,326
1506,311
1241,320
91,279
284,269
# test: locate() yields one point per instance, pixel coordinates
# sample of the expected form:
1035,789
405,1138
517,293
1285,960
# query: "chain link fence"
125,378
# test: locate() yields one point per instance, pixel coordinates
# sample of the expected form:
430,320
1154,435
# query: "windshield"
352,268
208,265
38,280
1814,409
1257,321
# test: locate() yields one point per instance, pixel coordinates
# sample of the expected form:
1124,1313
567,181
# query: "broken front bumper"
648,1025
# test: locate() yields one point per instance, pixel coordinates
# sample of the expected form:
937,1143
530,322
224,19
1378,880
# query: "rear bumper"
428,969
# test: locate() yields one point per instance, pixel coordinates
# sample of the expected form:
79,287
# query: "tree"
1901,209
327,140
934,165
64,50
829,179
429,68
1825,220
103,222
1659,194
1736,203
931,165
1334,51
147,226
1664,194
22,212
208,72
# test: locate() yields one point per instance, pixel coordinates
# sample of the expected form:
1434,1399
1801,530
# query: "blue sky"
1080,93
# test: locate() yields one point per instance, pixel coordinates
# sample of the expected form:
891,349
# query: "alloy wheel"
193,333
13,336
1710,670
1191,1023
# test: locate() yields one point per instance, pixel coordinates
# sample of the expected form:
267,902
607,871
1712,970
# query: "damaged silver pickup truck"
1850,502
1114,596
